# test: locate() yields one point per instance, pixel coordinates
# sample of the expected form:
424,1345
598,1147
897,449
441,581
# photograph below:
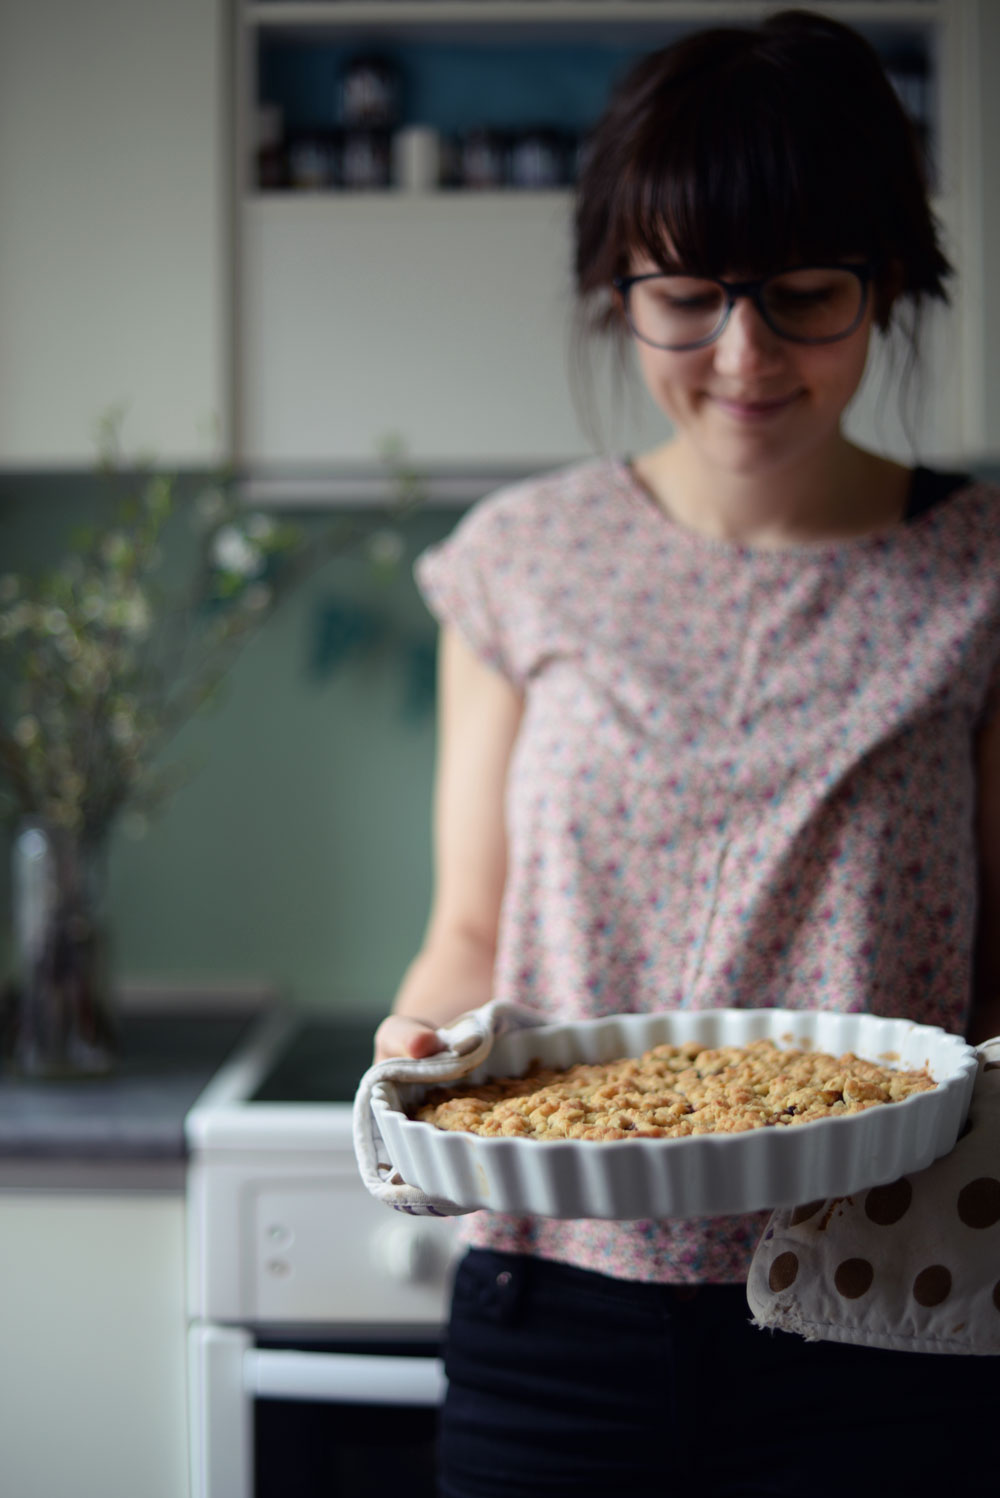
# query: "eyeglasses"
809,304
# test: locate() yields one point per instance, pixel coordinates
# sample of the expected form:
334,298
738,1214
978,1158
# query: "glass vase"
63,1017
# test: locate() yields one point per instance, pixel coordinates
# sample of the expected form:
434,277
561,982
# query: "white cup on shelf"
416,158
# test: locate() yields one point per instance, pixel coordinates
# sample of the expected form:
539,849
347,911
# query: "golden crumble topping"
671,1091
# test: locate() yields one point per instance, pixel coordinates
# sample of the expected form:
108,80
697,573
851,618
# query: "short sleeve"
467,581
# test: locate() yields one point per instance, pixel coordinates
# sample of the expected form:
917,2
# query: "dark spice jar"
369,89
482,159
366,159
539,158
312,161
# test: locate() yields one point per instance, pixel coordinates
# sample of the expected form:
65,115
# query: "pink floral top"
744,777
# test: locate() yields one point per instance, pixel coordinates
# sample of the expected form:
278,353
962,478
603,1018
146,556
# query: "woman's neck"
847,492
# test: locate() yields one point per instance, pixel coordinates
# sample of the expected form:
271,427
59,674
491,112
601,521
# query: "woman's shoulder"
546,500
524,527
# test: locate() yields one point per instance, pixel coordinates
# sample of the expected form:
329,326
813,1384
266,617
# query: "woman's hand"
400,1035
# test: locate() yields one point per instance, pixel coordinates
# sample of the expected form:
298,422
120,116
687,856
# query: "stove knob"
407,1253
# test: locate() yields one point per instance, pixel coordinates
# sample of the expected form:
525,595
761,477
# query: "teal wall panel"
300,852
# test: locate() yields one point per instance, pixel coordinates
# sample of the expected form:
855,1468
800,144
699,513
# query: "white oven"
315,1313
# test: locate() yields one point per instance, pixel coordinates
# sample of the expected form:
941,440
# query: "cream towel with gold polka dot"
913,1265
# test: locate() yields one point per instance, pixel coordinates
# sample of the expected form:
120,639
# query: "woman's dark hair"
747,149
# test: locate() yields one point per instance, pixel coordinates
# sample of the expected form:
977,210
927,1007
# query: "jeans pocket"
489,1287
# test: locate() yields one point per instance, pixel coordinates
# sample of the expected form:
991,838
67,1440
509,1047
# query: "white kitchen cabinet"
445,318
115,191
92,1327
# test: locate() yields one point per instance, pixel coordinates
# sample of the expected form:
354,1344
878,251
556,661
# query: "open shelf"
533,14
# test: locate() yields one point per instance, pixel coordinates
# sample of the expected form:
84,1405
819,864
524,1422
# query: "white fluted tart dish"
702,1173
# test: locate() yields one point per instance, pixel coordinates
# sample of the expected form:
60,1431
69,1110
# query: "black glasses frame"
753,290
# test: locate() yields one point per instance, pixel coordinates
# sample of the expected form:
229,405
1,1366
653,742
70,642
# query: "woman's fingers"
399,1035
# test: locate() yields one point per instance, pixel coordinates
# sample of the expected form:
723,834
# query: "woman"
717,728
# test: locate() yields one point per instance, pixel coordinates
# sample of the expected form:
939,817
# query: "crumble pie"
671,1091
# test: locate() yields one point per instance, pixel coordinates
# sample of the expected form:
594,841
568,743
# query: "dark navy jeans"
562,1381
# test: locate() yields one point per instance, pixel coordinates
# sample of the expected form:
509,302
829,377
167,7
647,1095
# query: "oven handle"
343,1377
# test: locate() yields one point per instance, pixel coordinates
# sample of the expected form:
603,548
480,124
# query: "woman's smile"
748,409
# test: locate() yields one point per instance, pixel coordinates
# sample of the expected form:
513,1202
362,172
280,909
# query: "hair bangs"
746,181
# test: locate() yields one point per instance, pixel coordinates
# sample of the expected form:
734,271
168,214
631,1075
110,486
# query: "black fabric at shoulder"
929,487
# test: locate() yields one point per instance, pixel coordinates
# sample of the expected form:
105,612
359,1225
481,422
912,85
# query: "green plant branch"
102,665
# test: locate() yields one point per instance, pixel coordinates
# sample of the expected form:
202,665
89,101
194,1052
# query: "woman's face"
752,402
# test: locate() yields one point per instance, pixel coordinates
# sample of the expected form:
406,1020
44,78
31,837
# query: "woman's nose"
746,344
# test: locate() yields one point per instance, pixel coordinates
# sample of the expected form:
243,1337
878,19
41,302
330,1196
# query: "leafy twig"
101,665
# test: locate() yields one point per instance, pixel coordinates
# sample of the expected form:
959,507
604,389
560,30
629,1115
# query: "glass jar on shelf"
369,93
312,161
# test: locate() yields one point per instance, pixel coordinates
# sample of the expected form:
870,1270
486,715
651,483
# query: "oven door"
279,1419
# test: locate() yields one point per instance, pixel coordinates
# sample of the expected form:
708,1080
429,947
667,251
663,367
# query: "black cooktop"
322,1062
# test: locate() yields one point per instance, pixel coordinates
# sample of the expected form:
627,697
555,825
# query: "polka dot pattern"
853,1278
783,1271
932,1285
803,1213
911,1264
979,1202
885,1205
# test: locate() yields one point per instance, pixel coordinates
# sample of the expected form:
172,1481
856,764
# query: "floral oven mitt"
914,1265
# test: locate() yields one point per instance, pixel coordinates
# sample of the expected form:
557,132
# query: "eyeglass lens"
808,303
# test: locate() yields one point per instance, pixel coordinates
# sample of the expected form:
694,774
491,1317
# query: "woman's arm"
479,713
985,1019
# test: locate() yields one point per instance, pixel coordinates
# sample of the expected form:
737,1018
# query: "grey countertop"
136,1115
